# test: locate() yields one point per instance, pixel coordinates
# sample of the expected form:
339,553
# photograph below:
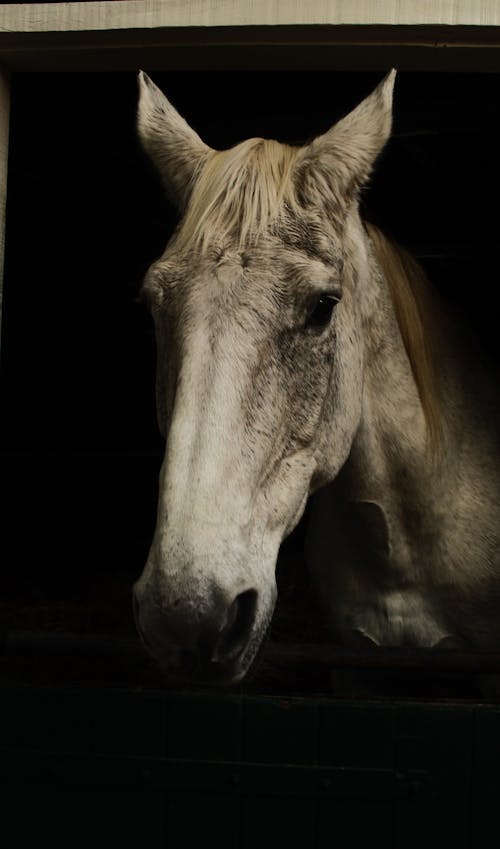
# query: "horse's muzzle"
205,644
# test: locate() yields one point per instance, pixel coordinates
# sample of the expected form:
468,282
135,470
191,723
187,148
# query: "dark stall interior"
80,450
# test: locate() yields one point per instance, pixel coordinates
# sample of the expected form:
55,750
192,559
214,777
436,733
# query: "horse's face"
259,382
248,383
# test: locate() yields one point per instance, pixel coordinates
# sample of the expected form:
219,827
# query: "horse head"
259,329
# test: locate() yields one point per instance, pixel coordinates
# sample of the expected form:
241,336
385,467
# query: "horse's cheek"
342,407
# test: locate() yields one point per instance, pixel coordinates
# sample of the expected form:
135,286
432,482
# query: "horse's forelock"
239,193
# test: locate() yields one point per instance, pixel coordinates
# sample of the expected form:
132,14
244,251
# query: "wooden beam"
265,34
4,154
154,14
350,48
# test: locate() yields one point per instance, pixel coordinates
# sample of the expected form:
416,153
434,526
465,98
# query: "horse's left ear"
175,148
341,160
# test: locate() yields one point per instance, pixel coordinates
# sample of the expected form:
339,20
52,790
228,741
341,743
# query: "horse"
303,358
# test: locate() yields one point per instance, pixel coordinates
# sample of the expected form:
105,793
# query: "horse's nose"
235,633
216,636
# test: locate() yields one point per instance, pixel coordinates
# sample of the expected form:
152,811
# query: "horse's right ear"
339,162
174,147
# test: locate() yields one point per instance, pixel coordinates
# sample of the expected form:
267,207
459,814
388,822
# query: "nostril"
239,622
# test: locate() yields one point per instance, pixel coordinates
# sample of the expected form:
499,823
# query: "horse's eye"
320,314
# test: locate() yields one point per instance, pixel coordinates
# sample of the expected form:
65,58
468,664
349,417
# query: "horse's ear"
340,161
175,148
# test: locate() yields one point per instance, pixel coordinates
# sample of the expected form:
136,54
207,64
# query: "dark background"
80,450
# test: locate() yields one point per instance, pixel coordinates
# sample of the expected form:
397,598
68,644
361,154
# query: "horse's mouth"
201,658
184,667
227,673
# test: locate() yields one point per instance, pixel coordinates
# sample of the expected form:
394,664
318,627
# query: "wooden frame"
125,35
168,34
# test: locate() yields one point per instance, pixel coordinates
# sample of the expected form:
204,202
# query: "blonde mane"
239,192
415,313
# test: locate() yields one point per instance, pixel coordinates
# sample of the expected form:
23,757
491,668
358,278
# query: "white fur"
259,413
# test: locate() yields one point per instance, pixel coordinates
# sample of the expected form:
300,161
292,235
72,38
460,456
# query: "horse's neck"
425,496
392,436
402,540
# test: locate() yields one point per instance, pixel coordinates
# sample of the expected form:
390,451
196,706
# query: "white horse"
300,351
